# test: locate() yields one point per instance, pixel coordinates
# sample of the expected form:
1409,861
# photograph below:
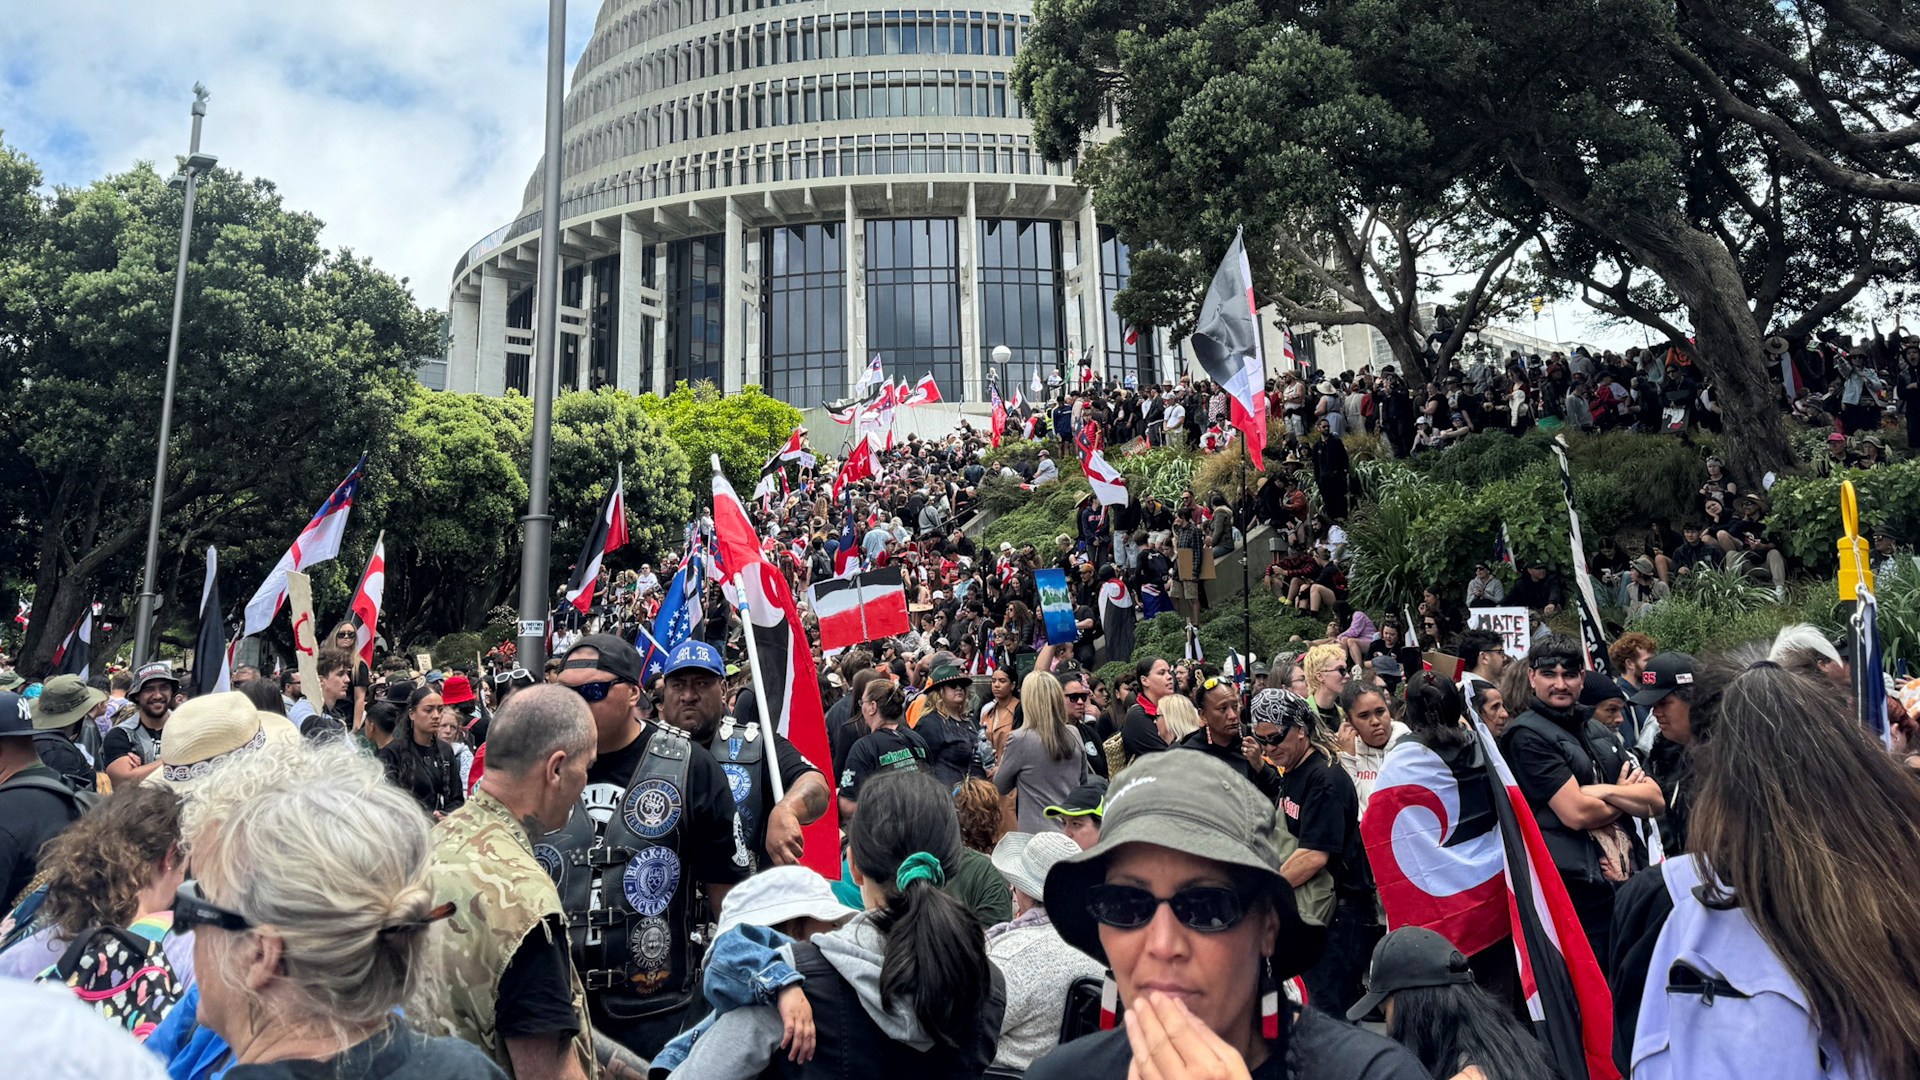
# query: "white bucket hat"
779,893
209,730
1024,859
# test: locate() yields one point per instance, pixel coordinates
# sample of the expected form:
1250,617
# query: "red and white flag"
785,660
926,393
25,613
609,534
1108,485
852,609
365,606
858,466
317,543
1227,343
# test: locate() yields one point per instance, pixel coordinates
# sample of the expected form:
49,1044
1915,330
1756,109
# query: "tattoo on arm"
810,791
616,1061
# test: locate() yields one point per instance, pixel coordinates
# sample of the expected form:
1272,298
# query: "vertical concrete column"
1094,294
856,289
583,371
969,274
490,375
632,319
463,343
733,303
659,257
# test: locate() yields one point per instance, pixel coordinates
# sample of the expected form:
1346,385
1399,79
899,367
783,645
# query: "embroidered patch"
548,857
650,880
652,808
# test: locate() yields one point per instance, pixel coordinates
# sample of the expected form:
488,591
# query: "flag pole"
759,690
1246,559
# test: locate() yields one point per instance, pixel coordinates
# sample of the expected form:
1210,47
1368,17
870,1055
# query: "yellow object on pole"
1856,571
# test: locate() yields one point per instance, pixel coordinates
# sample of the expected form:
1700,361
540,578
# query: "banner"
306,639
1592,636
1510,623
1056,606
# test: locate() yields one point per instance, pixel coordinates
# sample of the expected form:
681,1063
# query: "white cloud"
409,128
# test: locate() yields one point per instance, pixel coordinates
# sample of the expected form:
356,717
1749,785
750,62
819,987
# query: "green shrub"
1805,513
1484,457
1161,473
1113,670
1366,446
1041,514
1659,475
458,648
1720,591
1002,494
1223,627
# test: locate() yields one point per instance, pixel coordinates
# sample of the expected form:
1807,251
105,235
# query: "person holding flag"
1227,343
608,535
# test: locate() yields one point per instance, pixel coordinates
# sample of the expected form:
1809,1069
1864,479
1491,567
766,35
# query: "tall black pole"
149,578
537,525
1246,564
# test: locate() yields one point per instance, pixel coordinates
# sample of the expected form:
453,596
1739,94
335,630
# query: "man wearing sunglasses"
1073,682
693,699
655,817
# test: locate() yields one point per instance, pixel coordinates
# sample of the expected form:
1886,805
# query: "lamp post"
149,598
1001,356
537,524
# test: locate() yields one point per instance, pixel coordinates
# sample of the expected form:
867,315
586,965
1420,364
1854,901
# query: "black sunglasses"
1208,909
191,908
1271,740
595,692
1079,697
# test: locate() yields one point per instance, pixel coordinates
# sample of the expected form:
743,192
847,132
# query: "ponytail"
936,953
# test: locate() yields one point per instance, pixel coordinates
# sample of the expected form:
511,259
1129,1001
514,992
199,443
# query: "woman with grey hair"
310,906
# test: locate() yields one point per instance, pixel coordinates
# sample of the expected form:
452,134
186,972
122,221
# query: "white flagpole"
759,689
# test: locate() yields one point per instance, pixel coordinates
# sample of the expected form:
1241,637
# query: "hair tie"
916,867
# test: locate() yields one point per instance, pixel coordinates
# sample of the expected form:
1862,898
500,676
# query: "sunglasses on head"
595,692
191,908
516,673
1207,908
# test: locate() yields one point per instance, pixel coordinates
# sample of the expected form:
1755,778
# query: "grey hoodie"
742,1043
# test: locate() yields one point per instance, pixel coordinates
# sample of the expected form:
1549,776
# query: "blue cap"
16,716
696,654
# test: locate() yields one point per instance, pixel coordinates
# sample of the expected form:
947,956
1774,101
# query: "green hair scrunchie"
916,867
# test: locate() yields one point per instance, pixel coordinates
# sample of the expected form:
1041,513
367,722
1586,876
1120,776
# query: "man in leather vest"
1560,760
132,748
693,699
505,981
655,818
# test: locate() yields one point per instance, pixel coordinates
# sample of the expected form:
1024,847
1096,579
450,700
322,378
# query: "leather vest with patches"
742,752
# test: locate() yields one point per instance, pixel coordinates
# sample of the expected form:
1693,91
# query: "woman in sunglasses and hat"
1183,900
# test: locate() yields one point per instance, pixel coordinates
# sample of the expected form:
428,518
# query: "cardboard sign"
1056,606
1510,623
423,661
306,640
1451,667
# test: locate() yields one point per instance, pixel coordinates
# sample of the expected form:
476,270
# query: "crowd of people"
602,866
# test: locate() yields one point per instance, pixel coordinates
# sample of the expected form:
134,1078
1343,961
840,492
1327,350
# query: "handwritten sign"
1510,623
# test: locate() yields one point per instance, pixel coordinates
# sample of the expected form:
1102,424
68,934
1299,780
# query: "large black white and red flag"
773,473
211,673
608,534
1108,485
317,543
74,654
783,658
1227,343
1455,848
365,606
853,609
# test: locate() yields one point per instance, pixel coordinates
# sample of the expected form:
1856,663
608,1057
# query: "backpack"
123,973
1719,1003
81,801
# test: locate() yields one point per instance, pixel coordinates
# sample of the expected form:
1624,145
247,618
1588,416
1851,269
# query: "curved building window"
1021,298
913,299
696,286
803,313
520,343
1139,360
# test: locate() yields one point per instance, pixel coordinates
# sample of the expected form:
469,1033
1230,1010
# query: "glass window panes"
913,299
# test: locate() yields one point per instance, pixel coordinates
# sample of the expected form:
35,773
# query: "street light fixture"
197,163
1001,356
537,525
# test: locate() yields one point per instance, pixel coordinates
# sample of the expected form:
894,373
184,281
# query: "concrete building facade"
765,193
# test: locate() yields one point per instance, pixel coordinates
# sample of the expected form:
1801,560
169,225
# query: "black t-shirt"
1328,1050
29,817
706,843
1640,911
120,742
1139,734
1323,814
884,750
536,995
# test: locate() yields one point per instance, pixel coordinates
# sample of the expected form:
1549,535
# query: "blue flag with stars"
679,613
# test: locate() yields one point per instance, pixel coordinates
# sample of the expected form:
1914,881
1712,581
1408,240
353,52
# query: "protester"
132,748
1184,901
1079,813
35,801
1219,734
310,907
873,983
1731,963
953,737
1038,965
1668,690
1139,734
65,708
1425,989
1002,712
504,979
1364,738
1044,759
415,757
888,745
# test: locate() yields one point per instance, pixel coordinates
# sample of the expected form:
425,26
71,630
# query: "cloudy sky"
410,128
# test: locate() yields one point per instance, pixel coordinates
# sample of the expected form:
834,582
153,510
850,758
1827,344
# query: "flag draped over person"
784,661
317,543
998,422
211,675
1227,342
608,535
365,606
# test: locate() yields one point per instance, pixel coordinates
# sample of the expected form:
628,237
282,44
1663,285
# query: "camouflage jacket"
483,861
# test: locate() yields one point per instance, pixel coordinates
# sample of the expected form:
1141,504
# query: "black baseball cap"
1408,959
1081,801
1662,676
617,657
